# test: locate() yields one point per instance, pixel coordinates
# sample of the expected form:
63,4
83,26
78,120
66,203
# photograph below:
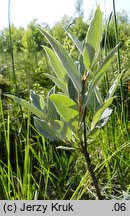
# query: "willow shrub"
65,114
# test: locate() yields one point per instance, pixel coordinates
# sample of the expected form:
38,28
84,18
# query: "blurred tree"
79,8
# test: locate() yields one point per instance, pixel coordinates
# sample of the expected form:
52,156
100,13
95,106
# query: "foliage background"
31,167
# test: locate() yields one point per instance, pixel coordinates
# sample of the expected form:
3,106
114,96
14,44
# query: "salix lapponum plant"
64,115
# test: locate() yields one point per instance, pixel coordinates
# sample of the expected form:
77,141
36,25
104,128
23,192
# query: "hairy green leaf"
98,95
96,79
114,86
88,55
82,66
37,100
57,82
65,148
104,118
65,59
67,109
51,110
44,129
73,94
53,130
100,111
75,40
93,134
94,34
57,66
28,106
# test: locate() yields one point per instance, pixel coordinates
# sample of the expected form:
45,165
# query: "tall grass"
47,173
42,171
12,51
38,170
123,110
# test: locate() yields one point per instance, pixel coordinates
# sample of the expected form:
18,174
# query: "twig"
84,144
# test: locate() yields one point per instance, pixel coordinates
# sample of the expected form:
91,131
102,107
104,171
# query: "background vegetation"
31,167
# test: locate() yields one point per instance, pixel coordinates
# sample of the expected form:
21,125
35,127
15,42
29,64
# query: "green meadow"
65,109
